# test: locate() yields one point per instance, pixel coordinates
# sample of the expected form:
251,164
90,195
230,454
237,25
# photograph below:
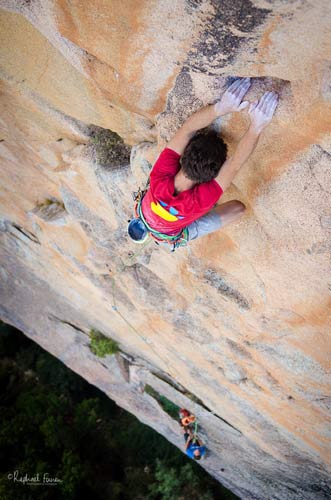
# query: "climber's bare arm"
188,442
261,113
231,101
232,165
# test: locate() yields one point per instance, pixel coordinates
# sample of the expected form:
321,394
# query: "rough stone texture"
240,319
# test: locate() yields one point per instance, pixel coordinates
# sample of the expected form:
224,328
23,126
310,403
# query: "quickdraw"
138,195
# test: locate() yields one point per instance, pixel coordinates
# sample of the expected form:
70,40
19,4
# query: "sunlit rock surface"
240,319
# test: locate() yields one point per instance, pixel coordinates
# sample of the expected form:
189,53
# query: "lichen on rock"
108,148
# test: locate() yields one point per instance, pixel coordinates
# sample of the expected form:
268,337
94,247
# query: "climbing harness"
138,195
136,225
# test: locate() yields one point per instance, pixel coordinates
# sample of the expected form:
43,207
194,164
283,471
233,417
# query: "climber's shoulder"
181,138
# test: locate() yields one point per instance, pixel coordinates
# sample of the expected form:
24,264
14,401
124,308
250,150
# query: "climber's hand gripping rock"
261,111
231,100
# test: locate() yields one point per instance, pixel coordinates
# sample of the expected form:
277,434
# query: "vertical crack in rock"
239,350
51,317
153,293
212,278
197,401
19,232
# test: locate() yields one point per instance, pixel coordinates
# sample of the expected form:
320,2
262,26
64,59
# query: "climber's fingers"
252,106
270,104
243,88
234,86
269,99
243,105
239,87
262,101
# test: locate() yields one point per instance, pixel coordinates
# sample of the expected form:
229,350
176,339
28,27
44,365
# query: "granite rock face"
236,327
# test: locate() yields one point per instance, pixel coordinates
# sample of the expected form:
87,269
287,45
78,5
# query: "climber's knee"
240,208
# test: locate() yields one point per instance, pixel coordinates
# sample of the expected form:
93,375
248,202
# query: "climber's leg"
217,218
230,211
186,436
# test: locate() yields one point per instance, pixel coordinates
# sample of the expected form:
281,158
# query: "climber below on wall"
194,447
193,171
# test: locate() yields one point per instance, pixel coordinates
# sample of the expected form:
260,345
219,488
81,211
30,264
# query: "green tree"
173,484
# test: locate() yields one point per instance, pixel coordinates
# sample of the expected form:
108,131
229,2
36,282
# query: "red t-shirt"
168,213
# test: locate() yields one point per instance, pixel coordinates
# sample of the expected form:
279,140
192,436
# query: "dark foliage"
53,422
109,149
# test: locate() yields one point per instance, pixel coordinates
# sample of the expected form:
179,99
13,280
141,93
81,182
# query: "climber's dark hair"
203,156
197,457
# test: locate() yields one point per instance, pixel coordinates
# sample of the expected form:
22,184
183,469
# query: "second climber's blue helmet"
137,230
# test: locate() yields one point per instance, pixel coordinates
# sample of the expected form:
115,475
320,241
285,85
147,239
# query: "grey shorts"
206,224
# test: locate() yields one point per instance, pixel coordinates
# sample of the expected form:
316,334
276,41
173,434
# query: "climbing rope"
195,432
137,197
116,309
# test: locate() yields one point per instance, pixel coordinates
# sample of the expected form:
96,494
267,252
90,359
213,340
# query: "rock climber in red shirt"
193,171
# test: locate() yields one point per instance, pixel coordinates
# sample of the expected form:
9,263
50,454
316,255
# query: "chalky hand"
261,112
232,98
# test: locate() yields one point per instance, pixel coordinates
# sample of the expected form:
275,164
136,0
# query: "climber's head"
197,454
203,156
